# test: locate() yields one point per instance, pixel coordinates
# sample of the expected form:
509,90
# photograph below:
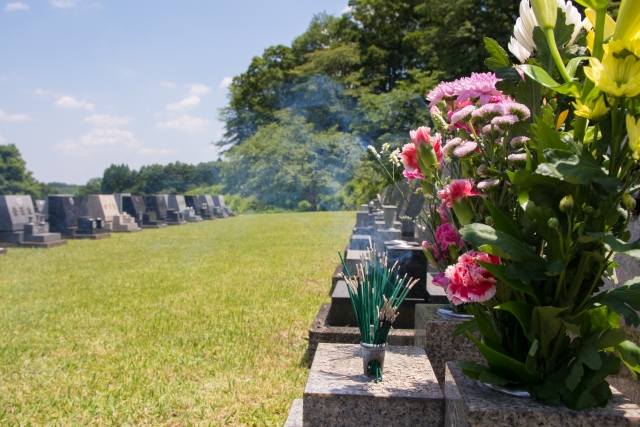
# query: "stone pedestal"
433,334
321,332
389,215
338,394
470,405
3,251
353,259
360,242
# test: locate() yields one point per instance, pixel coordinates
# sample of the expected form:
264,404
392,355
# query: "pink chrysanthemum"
450,144
481,169
519,140
487,112
505,122
445,91
517,157
455,191
469,281
462,115
488,183
479,86
491,130
466,149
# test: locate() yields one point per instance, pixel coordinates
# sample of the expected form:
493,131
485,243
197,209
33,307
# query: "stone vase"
389,212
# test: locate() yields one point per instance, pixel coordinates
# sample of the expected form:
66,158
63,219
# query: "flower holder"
372,354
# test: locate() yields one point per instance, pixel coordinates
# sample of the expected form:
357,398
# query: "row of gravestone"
45,222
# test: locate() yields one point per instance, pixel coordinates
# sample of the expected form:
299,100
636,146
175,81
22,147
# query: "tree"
288,165
118,179
14,177
93,186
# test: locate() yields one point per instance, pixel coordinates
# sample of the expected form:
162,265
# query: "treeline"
351,81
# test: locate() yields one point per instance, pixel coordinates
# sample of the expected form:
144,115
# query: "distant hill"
62,188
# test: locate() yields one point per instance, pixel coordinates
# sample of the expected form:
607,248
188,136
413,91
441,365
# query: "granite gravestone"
177,203
21,225
64,211
119,200
207,202
199,208
219,207
156,212
134,206
102,206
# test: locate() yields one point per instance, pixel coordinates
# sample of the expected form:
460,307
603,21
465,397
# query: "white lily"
522,45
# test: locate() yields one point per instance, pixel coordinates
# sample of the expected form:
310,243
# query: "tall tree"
14,176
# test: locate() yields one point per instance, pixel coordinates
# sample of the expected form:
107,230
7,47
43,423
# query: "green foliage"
287,162
62,188
14,176
93,186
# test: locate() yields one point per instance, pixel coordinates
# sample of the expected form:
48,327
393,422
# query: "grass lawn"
204,324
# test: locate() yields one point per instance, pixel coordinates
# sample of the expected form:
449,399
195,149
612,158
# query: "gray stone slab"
433,334
321,331
353,259
412,262
101,206
119,200
360,242
338,394
15,212
470,405
64,211
3,251
295,414
177,203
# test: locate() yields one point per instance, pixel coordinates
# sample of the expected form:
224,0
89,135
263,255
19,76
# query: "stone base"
43,245
470,405
154,225
339,394
177,223
295,414
336,277
126,230
433,334
321,332
3,251
90,236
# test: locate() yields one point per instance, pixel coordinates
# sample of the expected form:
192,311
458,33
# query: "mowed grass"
203,324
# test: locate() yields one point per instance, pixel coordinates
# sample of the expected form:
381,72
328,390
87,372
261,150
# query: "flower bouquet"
553,144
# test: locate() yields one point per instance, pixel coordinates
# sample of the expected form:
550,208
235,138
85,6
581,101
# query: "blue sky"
84,83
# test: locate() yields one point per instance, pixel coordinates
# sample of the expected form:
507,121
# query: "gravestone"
208,201
102,206
3,251
156,212
21,225
39,206
119,200
200,208
219,207
177,203
64,211
412,210
134,206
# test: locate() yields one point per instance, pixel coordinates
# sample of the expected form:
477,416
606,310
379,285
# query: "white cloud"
12,7
97,139
186,124
2,140
71,102
14,117
185,104
198,89
226,82
167,85
65,4
155,151
104,120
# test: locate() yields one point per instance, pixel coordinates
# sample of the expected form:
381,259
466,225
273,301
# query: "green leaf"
597,320
500,220
573,65
472,369
575,376
522,311
630,356
498,58
500,272
610,338
546,326
487,332
624,300
546,138
489,377
588,355
614,244
541,76
462,328
531,357
501,244
504,365
564,165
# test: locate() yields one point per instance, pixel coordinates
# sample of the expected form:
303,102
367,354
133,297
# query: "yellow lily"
633,130
628,25
617,76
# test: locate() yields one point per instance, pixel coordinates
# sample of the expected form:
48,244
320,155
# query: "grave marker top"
209,201
102,206
218,201
156,204
134,206
64,211
15,212
177,202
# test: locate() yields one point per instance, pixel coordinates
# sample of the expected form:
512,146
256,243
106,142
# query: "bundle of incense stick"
376,292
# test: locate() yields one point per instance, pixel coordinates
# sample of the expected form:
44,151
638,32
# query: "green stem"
556,54
580,126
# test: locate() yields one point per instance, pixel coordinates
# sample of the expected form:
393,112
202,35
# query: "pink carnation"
423,136
455,191
415,174
409,157
447,235
441,280
479,86
469,281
